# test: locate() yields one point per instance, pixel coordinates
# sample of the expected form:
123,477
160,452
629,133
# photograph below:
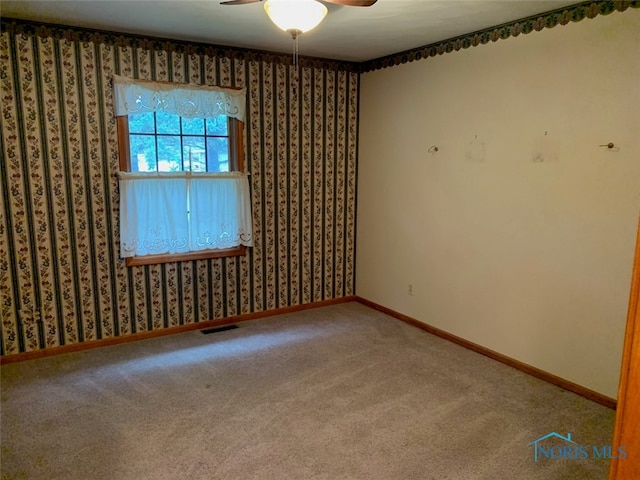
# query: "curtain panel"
187,100
178,212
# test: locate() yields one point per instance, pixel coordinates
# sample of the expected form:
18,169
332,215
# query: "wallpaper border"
146,42
560,16
550,19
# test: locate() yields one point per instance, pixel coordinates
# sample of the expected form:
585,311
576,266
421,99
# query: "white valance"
186,100
178,212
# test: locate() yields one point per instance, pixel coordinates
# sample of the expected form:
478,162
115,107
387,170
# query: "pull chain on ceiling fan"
298,16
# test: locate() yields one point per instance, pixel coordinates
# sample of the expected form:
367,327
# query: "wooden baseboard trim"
105,342
523,367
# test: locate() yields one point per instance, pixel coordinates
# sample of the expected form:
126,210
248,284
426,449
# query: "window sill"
185,257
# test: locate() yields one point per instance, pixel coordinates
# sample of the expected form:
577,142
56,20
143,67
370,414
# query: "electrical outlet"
410,290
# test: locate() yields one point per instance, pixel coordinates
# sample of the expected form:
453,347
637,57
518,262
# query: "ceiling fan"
299,16
349,3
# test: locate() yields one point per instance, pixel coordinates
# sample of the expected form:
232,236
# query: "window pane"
168,123
141,123
143,153
193,126
217,154
194,154
169,153
217,125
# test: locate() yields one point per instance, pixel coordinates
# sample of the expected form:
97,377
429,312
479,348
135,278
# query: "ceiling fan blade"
239,2
353,3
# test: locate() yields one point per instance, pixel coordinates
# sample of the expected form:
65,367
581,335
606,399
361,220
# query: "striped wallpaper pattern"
61,279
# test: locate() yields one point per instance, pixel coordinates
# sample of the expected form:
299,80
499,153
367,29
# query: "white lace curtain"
186,100
178,212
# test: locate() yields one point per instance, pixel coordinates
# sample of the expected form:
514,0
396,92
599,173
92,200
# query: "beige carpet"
341,392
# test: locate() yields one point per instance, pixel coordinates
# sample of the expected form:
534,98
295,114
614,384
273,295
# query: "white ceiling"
347,33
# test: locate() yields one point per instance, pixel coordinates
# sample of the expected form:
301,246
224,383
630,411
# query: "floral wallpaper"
61,279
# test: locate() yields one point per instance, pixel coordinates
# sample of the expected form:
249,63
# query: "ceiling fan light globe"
299,15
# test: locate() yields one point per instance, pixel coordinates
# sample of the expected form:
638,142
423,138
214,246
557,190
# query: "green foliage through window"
164,142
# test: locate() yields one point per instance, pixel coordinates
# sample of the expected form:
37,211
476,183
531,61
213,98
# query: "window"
167,142
183,195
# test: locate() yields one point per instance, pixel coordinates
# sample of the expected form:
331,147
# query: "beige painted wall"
514,239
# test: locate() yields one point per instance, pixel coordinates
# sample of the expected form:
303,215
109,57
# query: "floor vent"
224,328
